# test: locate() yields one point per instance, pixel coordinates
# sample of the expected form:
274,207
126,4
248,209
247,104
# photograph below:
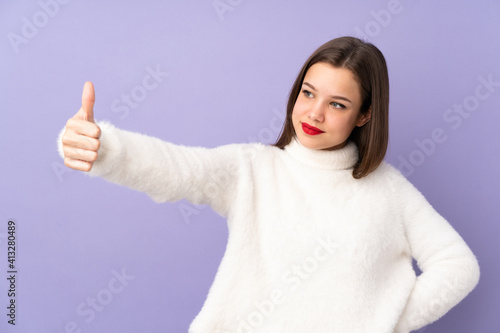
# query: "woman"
322,231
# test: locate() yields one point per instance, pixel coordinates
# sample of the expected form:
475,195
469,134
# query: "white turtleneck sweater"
310,248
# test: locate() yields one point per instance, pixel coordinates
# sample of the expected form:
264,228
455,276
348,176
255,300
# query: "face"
327,108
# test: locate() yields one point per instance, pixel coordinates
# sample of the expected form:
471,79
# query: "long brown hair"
368,65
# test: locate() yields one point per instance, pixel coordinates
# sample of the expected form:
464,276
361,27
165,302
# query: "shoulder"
403,191
385,172
390,178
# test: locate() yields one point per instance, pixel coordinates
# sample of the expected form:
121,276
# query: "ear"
364,118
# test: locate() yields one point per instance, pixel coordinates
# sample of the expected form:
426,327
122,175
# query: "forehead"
333,80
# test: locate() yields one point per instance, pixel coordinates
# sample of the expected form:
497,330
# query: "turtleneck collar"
339,159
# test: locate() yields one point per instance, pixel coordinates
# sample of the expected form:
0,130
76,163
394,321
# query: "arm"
450,271
165,171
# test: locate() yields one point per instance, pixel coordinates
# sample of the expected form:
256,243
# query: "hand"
80,140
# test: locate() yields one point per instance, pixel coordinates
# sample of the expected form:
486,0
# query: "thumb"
88,99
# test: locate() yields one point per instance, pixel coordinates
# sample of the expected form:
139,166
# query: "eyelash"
307,92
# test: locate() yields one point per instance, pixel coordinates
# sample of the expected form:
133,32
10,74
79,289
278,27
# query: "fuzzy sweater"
310,248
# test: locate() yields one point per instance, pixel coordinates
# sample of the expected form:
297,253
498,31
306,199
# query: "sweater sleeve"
163,170
450,271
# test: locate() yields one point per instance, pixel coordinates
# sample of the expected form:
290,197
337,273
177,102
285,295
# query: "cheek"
296,116
294,119
298,110
338,122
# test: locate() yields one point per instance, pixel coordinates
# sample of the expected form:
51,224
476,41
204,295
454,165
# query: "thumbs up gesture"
80,140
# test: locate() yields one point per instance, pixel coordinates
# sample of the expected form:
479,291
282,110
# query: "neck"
343,158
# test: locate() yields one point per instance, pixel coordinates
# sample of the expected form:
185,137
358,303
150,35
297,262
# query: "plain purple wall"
229,74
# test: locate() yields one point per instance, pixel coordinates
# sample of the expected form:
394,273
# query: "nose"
316,112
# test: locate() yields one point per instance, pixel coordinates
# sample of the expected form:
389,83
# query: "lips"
311,130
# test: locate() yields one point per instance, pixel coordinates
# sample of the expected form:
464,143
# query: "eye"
337,105
307,93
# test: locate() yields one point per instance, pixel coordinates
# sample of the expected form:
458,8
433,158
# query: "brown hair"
368,65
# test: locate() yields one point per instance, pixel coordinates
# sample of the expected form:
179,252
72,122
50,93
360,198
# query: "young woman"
322,230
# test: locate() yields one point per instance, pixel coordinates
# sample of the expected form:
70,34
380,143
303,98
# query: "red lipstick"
311,130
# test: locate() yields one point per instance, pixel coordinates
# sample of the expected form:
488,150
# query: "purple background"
228,77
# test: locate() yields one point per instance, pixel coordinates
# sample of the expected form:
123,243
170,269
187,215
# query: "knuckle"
87,167
67,162
66,139
92,156
97,145
65,149
70,123
99,132
96,131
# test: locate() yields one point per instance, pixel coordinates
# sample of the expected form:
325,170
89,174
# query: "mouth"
311,130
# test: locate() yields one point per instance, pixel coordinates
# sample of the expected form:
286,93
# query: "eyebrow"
333,96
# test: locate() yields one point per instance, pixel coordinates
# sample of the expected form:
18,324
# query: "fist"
80,140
